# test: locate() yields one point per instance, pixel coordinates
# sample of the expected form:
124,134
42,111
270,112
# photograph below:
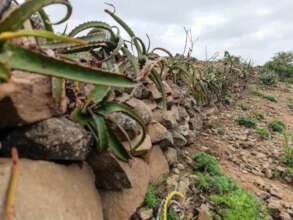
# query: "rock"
183,129
30,100
110,173
171,156
196,122
156,94
157,132
166,118
51,139
142,92
118,205
183,185
183,115
157,163
144,148
204,213
179,140
46,190
132,128
145,214
141,108
172,182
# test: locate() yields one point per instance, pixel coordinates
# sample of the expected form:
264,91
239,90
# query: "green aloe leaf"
116,147
25,10
101,130
40,33
98,94
154,76
90,25
27,60
128,30
4,72
110,107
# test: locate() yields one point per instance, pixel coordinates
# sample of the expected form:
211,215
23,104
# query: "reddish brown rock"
46,190
120,205
157,163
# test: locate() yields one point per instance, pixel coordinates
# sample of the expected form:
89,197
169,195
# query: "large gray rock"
49,191
121,205
29,101
51,139
110,173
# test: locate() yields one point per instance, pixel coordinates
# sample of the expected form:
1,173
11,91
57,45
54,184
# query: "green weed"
277,125
247,122
288,155
220,131
263,133
206,163
270,98
172,215
268,78
151,200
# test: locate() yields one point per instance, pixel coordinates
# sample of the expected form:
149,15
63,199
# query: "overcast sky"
253,29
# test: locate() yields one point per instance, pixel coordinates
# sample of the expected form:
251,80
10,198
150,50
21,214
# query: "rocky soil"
254,163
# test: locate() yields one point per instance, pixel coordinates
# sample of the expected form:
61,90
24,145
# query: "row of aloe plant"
114,62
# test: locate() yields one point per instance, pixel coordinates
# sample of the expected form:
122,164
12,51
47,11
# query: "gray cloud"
254,29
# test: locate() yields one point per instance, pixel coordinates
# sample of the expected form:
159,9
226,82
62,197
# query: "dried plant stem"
12,184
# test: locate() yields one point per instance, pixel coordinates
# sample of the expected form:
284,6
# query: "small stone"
171,155
180,166
145,214
204,213
179,140
144,148
157,132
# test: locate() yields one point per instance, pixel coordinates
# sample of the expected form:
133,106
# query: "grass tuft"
277,125
247,122
263,133
151,199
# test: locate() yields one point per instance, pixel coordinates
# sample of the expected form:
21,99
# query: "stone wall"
64,180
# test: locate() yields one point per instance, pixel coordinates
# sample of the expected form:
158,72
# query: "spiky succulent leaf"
23,59
110,107
116,146
25,10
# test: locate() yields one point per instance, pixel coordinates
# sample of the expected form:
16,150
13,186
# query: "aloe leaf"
116,147
26,60
101,130
78,116
128,30
162,49
40,33
4,72
154,76
90,39
89,25
110,107
98,94
58,86
25,10
132,59
46,20
122,130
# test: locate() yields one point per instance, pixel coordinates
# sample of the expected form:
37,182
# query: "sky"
252,29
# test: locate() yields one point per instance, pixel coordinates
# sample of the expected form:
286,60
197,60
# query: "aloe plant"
94,115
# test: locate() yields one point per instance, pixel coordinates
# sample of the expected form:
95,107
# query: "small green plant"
277,125
268,78
247,122
288,155
290,103
239,204
270,98
257,93
206,163
215,184
220,131
151,200
172,215
231,201
263,133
